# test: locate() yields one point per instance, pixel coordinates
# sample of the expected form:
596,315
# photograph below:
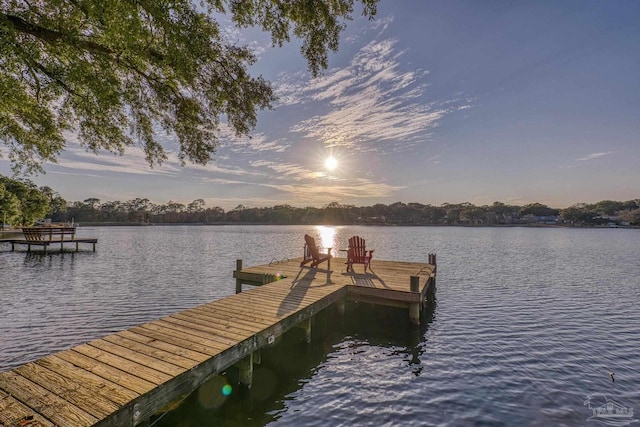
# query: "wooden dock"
50,235
46,243
125,378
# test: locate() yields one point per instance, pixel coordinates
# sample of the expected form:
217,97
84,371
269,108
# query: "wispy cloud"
593,156
255,143
370,105
76,158
287,171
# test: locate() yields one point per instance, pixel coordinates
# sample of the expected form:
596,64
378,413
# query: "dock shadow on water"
291,363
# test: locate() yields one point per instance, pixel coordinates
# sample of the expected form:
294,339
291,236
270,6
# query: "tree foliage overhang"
114,72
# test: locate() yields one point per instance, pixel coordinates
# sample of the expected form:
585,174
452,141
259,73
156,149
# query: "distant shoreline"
137,224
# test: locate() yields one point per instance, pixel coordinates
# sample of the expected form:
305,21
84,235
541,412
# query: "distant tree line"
144,212
23,203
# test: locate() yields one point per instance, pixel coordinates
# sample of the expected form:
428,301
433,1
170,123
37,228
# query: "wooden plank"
56,409
138,357
147,350
247,308
279,302
246,317
12,412
286,287
165,346
74,393
137,369
228,322
293,297
190,329
208,328
269,294
198,343
222,328
273,310
318,282
113,374
259,318
112,391
243,319
178,338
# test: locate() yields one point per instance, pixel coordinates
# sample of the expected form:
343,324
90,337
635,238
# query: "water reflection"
327,237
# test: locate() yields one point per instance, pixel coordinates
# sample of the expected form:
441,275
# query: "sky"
432,102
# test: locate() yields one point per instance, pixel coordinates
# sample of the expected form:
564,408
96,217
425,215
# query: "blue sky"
432,102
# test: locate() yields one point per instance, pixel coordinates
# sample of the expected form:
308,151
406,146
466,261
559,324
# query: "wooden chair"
312,254
357,253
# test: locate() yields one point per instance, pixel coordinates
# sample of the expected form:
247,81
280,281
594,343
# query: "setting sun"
331,163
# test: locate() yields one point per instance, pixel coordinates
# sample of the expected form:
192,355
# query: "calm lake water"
528,322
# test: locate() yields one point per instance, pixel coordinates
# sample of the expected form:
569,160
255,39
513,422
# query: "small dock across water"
125,378
50,235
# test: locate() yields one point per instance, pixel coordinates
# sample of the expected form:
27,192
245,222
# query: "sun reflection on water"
327,236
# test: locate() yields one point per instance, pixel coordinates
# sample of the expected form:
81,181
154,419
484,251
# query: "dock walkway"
125,378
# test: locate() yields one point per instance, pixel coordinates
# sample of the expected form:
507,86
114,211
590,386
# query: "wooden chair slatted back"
311,247
357,249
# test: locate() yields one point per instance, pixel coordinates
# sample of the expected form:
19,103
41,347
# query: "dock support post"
414,307
433,278
238,281
432,259
245,366
306,325
257,357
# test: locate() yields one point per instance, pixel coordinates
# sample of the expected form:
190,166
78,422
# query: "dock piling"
306,326
245,366
238,281
414,308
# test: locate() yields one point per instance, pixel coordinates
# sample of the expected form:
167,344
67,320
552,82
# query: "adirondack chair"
357,253
312,254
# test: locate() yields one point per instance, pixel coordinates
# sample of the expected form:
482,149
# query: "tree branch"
48,73
51,36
